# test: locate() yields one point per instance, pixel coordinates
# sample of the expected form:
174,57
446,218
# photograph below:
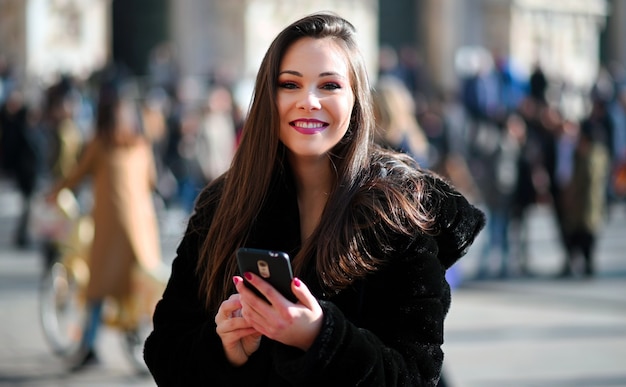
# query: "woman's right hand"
238,337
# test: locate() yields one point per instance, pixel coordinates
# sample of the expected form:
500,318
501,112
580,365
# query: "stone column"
13,35
616,31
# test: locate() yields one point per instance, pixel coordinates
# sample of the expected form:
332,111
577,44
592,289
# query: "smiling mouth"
308,127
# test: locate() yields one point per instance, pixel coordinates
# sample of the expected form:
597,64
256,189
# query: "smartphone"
273,266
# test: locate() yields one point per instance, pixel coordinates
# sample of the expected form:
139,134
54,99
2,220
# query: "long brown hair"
341,257
260,152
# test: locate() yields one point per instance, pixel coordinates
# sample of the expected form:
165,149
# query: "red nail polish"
248,276
297,282
236,280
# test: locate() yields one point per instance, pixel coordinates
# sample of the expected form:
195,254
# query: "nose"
309,101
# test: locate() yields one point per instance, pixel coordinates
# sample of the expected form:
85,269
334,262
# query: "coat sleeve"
184,349
84,167
397,340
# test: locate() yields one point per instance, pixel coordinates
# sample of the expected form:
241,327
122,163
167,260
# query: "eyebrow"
299,74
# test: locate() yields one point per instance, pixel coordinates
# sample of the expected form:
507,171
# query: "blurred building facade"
563,36
44,37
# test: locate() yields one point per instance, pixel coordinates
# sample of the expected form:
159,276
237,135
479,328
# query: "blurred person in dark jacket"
20,152
584,202
503,185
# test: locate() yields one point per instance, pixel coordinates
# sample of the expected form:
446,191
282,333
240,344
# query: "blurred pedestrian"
163,71
544,130
208,143
617,111
20,148
63,144
396,122
216,138
66,140
584,201
600,125
481,94
7,78
154,110
538,84
524,196
500,185
174,157
120,162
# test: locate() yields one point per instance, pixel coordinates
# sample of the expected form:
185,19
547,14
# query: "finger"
244,291
249,300
228,324
236,327
232,331
266,289
303,294
257,311
228,308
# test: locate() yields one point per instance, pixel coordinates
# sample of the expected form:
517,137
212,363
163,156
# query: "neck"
314,180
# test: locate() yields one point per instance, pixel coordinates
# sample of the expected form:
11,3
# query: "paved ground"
540,330
530,331
25,357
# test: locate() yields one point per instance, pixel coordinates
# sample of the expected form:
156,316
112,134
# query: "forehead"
321,55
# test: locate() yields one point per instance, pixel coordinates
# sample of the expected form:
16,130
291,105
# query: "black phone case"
273,266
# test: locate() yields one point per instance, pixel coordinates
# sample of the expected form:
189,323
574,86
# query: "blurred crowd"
192,125
509,142
500,138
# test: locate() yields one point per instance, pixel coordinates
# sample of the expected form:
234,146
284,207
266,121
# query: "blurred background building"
569,38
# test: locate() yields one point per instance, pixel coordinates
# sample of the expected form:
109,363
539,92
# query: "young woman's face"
314,97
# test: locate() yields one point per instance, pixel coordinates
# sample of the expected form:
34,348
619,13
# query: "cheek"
347,111
284,102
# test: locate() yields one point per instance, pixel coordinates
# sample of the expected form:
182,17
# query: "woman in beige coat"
120,162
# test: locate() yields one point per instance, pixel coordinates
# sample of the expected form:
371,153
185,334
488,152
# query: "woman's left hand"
294,324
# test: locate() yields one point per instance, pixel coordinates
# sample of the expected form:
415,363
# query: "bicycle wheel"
61,310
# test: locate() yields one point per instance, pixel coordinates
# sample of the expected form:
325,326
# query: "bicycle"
62,290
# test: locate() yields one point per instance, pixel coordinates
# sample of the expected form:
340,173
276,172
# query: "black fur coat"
385,330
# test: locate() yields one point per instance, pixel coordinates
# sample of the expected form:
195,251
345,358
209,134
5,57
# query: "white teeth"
308,125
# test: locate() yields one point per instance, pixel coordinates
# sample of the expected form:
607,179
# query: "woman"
370,236
119,160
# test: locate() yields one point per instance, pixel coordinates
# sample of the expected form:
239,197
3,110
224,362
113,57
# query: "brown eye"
331,86
287,85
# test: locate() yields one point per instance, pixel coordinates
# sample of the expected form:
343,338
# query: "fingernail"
248,276
297,282
236,280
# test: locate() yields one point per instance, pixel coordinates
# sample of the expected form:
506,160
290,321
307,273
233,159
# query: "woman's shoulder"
432,205
392,173
398,172
458,221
